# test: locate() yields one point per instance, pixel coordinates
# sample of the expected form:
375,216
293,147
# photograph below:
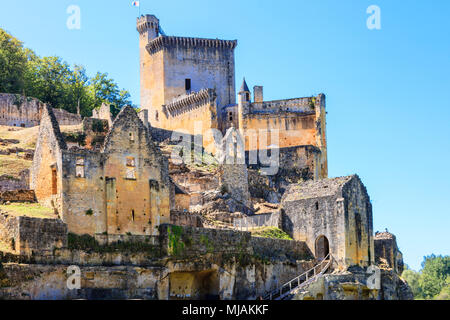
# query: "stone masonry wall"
387,252
293,250
188,241
9,232
19,111
32,236
41,236
8,183
17,196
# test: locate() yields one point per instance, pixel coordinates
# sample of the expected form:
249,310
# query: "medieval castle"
118,199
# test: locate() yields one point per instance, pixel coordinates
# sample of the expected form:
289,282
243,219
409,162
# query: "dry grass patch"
33,210
12,165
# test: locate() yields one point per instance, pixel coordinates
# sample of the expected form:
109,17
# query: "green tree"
435,273
80,98
412,277
13,63
53,81
433,280
105,90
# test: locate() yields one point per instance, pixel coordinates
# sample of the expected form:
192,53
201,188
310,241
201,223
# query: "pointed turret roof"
244,87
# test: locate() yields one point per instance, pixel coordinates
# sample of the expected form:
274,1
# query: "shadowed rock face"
354,286
387,253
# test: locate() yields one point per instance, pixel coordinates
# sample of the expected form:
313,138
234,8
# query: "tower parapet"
171,41
148,23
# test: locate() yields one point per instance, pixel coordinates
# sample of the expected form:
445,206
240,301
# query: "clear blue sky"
387,90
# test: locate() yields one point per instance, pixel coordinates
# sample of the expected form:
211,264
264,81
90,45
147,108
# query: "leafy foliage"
433,280
53,81
271,232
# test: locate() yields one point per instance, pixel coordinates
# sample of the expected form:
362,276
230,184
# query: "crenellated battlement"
171,41
147,22
298,105
190,102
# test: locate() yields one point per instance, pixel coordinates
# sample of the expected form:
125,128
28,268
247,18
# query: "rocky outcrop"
355,286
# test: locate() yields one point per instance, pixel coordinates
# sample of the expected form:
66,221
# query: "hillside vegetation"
25,139
432,281
53,81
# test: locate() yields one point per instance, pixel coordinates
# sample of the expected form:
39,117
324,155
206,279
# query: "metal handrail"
278,293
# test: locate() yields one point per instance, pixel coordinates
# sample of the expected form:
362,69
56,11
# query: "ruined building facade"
122,188
332,216
19,111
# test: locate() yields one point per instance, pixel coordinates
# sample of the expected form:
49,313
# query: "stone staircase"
288,289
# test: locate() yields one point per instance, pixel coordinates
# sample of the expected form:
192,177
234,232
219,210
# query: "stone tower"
148,28
175,69
243,103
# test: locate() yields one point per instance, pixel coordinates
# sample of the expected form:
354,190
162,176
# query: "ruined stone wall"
355,286
359,224
103,113
182,202
294,129
182,218
304,222
66,118
41,236
83,197
94,132
8,183
17,196
296,164
233,173
123,188
197,241
32,236
138,193
223,264
387,252
299,122
294,250
19,111
46,170
9,232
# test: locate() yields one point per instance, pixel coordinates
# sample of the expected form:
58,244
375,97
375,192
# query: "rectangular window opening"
187,85
131,168
80,168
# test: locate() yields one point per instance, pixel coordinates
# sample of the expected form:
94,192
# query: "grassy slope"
270,232
33,210
12,165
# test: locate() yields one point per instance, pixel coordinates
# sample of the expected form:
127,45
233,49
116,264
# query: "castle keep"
117,197
187,80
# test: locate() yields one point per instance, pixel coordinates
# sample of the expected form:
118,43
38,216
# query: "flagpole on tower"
137,4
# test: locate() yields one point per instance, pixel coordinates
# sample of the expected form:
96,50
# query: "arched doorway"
322,247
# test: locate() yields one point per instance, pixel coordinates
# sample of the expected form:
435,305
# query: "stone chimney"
258,94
